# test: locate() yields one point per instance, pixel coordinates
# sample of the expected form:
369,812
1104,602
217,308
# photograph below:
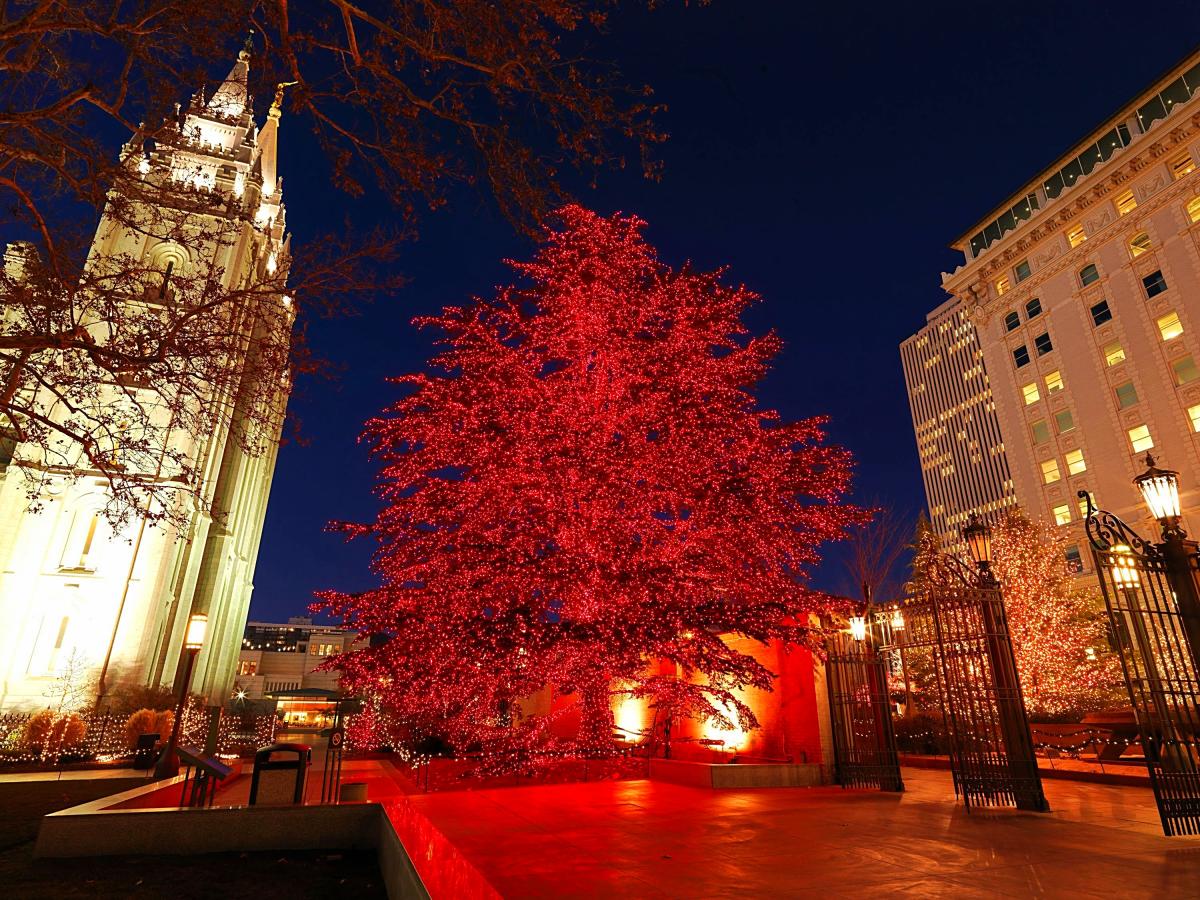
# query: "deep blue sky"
827,153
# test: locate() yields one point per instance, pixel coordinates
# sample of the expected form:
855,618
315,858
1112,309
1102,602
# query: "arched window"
1089,274
166,263
1139,244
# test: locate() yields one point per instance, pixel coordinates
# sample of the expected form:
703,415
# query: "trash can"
279,774
143,751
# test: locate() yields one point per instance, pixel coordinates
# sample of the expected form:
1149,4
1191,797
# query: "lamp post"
1160,491
897,625
193,640
978,535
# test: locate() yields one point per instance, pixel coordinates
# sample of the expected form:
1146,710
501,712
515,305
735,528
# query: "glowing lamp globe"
858,628
1160,490
897,619
978,536
1121,565
197,626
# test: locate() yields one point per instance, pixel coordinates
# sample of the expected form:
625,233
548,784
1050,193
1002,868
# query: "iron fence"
955,620
1142,585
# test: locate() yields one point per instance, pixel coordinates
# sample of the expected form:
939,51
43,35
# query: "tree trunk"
595,718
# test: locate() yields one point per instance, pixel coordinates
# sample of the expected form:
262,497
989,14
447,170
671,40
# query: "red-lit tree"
582,483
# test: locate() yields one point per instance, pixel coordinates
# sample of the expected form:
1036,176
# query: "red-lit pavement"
650,839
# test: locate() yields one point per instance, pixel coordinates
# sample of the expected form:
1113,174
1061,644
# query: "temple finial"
277,104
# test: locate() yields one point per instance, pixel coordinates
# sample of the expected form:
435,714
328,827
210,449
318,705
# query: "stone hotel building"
1070,345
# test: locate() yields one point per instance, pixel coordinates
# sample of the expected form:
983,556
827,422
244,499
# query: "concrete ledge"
98,829
726,776
1133,776
133,832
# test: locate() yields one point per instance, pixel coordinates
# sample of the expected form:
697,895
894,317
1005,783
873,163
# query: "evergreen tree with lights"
1058,629
582,483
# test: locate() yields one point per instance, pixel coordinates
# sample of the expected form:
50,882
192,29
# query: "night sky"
826,153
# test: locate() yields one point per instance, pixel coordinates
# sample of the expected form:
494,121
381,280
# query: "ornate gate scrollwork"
956,616
1150,592
864,743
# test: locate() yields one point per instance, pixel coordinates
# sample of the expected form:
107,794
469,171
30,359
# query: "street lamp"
1160,491
897,619
858,628
978,536
193,640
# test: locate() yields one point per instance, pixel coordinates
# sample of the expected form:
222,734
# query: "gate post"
1010,703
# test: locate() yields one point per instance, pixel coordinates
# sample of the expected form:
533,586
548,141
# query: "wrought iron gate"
1142,585
864,743
955,622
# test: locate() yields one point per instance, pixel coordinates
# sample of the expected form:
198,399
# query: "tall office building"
954,417
76,594
1084,289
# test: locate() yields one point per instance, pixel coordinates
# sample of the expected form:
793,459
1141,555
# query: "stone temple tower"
116,605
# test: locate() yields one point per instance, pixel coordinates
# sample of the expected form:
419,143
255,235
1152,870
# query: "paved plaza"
649,839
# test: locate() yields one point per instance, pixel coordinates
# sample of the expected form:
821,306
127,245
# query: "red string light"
580,484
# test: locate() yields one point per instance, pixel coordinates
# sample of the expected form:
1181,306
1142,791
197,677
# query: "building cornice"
1123,113
972,281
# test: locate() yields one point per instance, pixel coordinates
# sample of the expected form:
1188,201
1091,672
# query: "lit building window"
1194,415
1030,393
1002,285
1033,308
81,540
1074,560
48,645
1114,353
1012,321
1185,370
1193,209
1043,343
1076,235
1075,462
1054,382
1140,440
1021,356
1083,504
1064,421
1050,472
248,667
1101,313
1154,283
1041,431
1139,244
1022,271
1089,274
1182,165
1126,395
1169,326
1062,515
1126,203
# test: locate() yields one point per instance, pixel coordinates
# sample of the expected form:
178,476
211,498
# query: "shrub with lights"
583,482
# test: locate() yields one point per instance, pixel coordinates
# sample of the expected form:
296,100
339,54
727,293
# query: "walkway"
649,839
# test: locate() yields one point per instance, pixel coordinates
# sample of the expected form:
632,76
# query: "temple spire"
230,99
268,140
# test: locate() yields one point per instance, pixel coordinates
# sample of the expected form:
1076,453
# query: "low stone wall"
730,776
